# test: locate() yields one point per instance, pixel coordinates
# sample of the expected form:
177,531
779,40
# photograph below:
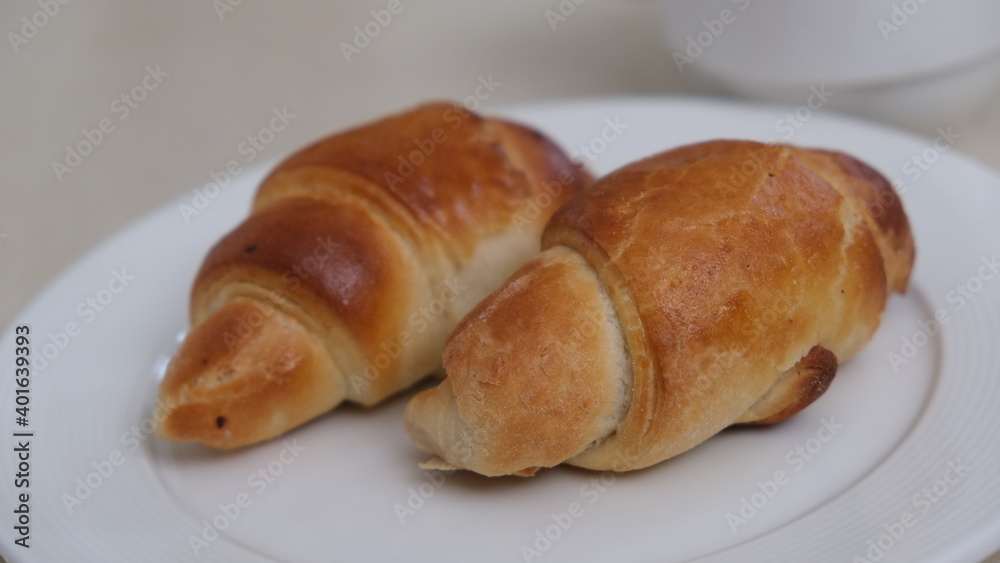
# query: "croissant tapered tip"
244,375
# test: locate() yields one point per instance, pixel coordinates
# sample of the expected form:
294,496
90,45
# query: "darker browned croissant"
361,254
712,285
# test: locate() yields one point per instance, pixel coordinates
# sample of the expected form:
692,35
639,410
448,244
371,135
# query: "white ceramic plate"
887,483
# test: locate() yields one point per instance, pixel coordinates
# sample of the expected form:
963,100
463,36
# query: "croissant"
360,255
712,285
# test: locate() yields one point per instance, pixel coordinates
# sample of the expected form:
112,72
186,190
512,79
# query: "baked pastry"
712,285
360,255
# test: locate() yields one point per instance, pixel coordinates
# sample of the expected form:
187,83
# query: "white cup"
914,62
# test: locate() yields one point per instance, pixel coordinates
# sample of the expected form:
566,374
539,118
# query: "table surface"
212,79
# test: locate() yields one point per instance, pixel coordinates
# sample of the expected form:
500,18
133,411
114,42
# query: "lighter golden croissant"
712,285
361,254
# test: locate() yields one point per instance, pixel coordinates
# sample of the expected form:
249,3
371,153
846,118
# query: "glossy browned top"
467,179
457,174
711,245
346,258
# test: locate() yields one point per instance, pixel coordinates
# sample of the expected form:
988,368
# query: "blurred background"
180,85
111,109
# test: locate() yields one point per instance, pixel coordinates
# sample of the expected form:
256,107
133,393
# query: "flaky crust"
361,254
737,274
